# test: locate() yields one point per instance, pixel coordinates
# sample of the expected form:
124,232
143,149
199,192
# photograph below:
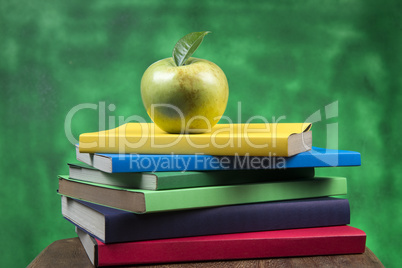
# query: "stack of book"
141,196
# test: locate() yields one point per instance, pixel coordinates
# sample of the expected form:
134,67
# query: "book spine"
153,163
145,201
183,145
297,242
178,180
235,139
243,194
327,211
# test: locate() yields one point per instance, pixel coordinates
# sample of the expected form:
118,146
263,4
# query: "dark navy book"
111,225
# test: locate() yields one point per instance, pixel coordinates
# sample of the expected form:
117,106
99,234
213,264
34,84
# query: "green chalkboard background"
283,59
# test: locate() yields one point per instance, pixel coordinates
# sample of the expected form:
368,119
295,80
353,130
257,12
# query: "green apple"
186,98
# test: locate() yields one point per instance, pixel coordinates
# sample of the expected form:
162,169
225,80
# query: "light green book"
176,179
145,201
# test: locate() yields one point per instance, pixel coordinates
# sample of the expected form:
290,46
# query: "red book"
283,243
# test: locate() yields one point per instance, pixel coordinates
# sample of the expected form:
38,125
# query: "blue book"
112,225
317,157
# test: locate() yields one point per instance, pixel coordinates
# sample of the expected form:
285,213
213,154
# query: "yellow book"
259,139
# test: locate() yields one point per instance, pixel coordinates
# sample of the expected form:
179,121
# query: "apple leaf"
186,46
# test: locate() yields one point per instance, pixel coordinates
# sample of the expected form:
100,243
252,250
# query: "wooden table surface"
70,253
